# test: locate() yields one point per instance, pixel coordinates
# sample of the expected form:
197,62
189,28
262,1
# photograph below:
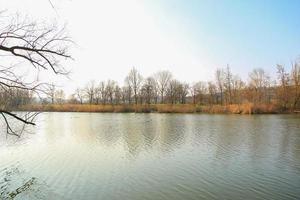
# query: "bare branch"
42,47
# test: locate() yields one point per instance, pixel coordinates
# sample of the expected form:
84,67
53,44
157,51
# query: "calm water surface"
154,156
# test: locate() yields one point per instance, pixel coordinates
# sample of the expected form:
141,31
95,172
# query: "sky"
190,38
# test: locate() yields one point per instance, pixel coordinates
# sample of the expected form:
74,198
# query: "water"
154,156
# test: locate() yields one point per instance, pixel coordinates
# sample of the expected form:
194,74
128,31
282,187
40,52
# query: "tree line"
162,88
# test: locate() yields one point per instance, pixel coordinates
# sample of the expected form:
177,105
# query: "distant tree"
51,93
59,96
228,84
148,90
172,92
238,87
212,91
295,78
118,94
134,79
72,99
194,92
14,97
90,90
282,90
259,85
79,94
220,80
163,78
183,92
126,95
110,89
97,95
198,91
103,92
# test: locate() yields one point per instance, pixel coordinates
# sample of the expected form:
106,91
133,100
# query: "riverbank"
160,108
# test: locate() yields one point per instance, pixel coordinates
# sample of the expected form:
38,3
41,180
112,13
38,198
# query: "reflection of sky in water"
108,156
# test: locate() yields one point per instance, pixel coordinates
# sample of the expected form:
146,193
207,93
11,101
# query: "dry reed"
246,108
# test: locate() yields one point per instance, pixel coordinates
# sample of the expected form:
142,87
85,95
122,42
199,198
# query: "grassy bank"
160,108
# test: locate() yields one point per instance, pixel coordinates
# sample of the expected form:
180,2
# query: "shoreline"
242,109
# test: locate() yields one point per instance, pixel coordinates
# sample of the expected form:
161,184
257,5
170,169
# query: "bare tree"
102,90
237,89
90,90
172,92
97,95
220,80
212,91
125,94
198,91
163,78
259,83
79,93
135,79
110,89
72,99
14,97
118,94
295,78
59,96
41,46
183,92
194,92
282,91
148,90
177,92
228,84
51,93
36,43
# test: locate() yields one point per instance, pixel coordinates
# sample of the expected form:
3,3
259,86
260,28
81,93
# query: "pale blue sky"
191,38
244,34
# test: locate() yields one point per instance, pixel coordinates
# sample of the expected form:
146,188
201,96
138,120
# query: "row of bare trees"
14,97
160,88
227,88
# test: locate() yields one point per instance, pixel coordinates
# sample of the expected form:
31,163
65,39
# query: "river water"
153,156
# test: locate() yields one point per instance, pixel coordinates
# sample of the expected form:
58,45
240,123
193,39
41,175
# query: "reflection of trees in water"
259,133
71,127
172,130
228,139
132,134
107,128
14,184
82,128
144,132
272,138
244,138
54,126
149,132
296,142
259,139
137,132
289,144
